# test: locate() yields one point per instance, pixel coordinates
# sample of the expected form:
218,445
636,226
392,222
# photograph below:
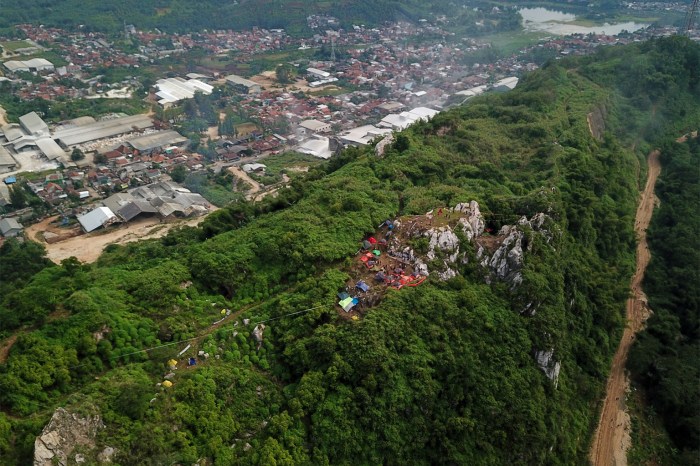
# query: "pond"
560,23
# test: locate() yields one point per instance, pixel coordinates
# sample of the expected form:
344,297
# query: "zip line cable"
146,350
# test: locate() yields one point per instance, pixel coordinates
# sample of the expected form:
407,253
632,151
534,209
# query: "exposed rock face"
258,332
64,432
506,263
473,225
551,368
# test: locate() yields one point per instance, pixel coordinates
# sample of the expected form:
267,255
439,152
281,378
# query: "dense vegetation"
664,360
442,373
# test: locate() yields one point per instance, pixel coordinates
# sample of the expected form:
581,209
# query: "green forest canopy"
442,373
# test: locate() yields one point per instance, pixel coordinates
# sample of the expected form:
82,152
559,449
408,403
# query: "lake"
557,22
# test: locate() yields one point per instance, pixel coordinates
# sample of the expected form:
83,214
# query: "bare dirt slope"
88,247
612,437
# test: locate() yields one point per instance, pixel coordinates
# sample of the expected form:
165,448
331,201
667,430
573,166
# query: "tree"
18,196
179,173
99,159
76,155
285,73
402,143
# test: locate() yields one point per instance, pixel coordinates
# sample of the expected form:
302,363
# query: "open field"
13,45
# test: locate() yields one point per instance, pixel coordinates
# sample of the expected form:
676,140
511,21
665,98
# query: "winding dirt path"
612,437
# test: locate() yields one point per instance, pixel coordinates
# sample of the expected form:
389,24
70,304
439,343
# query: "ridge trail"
612,436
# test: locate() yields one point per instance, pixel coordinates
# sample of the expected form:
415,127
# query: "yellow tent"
172,363
223,312
167,384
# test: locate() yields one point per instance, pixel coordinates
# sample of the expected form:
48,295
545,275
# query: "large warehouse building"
172,90
155,141
102,129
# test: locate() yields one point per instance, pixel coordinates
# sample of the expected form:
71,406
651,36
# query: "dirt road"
254,185
612,437
88,247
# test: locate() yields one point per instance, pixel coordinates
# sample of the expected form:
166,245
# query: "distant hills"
176,15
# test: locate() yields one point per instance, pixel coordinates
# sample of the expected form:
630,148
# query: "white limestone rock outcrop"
550,367
507,262
64,432
473,225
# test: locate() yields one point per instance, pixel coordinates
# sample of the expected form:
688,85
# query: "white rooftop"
318,147
171,90
96,218
363,135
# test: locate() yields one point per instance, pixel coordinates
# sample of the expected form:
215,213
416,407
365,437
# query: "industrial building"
10,227
33,125
506,84
362,135
401,121
317,146
163,198
34,64
153,142
102,129
96,218
7,163
243,85
51,149
314,126
173,90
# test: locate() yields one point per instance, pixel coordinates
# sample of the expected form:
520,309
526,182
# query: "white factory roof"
506,83
423,113
26,65
38,63
171,90
314,125
12,132
15,65
318,147
33,124
96,218
474,91
319,73
363,135
403,120
50,148
234,79
251,167
158,139
6,159
102,129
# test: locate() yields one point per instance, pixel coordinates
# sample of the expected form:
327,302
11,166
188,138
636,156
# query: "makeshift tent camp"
192,362
342,295
362,286
366,245
372,240
167,384
172,364
377,252
348,303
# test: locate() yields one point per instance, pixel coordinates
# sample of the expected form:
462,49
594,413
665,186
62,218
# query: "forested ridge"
441,373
